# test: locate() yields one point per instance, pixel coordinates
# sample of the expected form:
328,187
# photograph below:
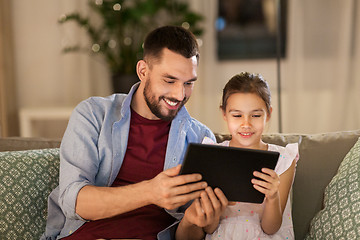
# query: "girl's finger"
261,175
263,184
266,177
271,173
268,192
260,189
268,171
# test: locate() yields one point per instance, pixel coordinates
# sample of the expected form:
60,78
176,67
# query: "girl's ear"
269,115
223,112
142,69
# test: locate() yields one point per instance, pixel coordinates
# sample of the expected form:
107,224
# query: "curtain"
8,101
41,68
45,77
321,76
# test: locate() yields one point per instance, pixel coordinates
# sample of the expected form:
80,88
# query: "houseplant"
119,35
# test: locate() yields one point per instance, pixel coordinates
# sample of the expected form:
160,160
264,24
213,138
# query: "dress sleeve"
208,140
287,155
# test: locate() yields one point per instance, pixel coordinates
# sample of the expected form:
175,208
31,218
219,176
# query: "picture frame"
248,29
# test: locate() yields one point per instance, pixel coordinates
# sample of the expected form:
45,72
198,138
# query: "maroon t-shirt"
144,159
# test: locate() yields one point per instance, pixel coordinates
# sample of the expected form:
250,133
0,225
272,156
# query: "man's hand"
170,190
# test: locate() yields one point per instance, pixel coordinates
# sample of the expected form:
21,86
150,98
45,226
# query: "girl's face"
246,117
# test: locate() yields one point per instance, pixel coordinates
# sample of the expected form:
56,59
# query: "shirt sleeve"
79,159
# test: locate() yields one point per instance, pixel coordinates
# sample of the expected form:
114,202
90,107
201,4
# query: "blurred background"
313,71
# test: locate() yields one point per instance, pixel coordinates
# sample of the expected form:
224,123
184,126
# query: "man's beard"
155,106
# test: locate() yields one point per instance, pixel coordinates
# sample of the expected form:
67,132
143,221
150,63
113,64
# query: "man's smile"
172,104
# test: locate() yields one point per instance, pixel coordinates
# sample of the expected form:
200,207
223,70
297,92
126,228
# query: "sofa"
29,171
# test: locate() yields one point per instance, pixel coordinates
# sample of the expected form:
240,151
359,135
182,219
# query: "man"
120,155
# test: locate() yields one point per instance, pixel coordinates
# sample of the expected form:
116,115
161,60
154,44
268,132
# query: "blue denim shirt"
92,151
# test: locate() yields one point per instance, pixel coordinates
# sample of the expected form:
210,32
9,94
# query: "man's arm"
168,190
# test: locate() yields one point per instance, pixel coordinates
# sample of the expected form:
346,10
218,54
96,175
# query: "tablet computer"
229,168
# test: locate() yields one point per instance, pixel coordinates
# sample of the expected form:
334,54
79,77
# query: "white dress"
242,221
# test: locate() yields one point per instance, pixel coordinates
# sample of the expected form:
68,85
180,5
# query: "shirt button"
174,159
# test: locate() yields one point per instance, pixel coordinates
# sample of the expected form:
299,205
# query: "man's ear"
142,69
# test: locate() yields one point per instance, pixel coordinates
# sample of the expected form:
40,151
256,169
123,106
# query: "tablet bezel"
229,168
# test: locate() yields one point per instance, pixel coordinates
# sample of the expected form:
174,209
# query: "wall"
47,78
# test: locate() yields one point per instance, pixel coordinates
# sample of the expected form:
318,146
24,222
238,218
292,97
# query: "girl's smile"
246,134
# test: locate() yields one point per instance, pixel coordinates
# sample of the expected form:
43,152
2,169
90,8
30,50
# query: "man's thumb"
172,172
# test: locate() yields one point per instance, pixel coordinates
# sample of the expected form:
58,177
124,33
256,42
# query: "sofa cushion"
26,180
340,217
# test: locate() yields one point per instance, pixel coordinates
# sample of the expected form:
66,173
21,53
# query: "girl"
246,109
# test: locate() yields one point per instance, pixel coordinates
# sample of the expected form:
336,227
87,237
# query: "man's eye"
189,83
169,81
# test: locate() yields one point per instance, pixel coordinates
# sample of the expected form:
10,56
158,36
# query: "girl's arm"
276,190
188,230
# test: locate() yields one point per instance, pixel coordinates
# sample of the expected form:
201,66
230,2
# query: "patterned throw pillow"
340,218
26,180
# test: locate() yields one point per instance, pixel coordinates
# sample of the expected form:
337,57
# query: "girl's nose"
246,123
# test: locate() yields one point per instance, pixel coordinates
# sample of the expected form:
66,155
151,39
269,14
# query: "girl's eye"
257,116
237,116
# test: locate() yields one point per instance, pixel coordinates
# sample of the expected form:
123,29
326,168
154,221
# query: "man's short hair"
176,39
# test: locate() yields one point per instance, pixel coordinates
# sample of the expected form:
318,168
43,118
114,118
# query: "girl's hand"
270,184
205,211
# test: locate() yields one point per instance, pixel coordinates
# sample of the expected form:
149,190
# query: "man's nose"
178,92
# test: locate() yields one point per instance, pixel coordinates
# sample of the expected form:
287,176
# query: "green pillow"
340,217
26,180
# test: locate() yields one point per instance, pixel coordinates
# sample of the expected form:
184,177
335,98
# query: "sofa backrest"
20,143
